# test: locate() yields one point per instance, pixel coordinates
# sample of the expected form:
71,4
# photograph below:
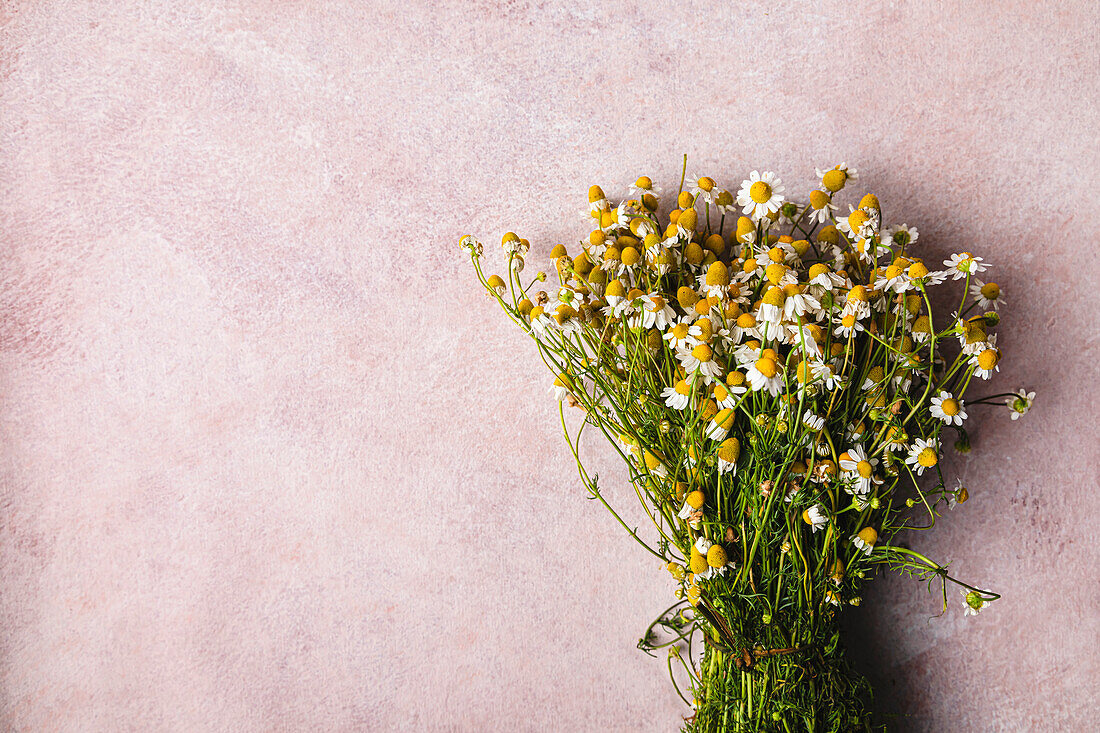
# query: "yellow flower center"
702,352
716,557
680,331
868,535
644,182
685,200
834,180
988,359
735,379
766,366
775,297
746,320
928,458
595,193
950,407
695,499
857,219
819,199
760,192
706,183
718,274
682,388
864,469
991,291
775,272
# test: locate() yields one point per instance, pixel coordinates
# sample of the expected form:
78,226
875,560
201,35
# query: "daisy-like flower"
974,602
985,361
644,185
816,517
720,425
692,511
865,540
855,304
798,302
770,313
760,195
471,245
597,201
828,376
683,334
833,179
958,496
716,280
922,454
949,409
705,189
540,322
727,205
861,224
847,325
562,388
656,312
764,375
678,396
812,421
734,387
699,362
729,450
859,468
1019,403
899,235
988,295
744,327
964,264
822,208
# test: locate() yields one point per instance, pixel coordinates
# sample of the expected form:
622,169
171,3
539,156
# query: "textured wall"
270,461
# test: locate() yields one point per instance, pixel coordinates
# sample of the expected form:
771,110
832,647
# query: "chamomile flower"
834,179
1020,403
899,235
644,185
770,313
562,388
856,304
734,388
720,425
963,264
705,189
729,450
760,195
988,295
822,208
847,325
684,334
678,396
948,408
699,362
865,540
655,312
812,421
985,361
692,511
764,375
959,496
974,602
816,516
745,327
922,454
859,469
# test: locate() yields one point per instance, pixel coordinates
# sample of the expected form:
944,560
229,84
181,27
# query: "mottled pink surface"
270,461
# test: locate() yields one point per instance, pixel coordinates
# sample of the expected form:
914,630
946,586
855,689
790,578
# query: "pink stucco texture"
269,460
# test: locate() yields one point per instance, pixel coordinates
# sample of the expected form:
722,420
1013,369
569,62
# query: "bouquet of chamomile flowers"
772,374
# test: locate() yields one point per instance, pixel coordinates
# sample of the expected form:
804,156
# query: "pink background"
270,461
